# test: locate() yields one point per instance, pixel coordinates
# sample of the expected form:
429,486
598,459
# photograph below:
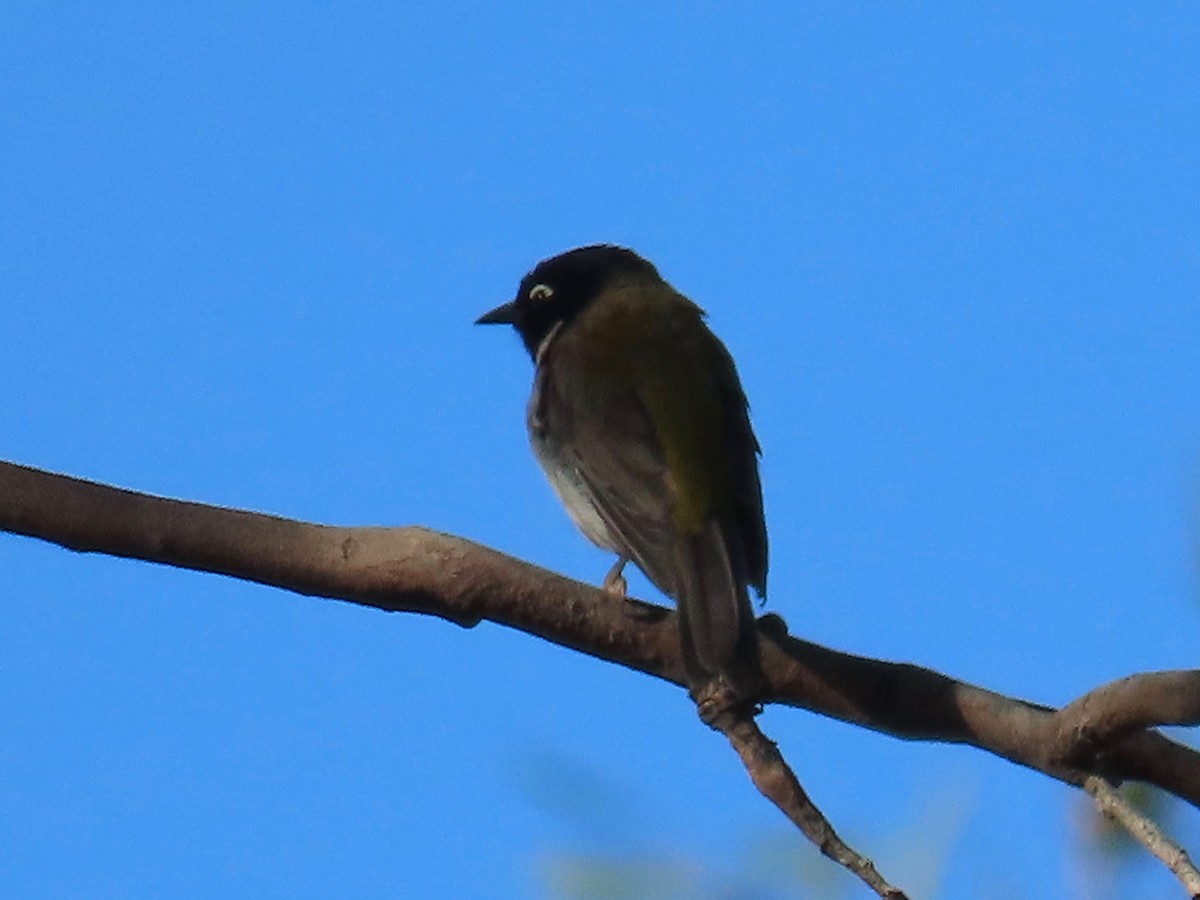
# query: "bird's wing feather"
623,476
746,527
669,451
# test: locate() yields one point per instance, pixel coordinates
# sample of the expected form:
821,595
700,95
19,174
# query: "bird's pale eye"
540,292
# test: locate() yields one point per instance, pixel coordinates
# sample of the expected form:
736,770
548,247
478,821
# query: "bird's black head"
559,287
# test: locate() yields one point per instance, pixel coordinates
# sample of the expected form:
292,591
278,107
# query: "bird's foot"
719,703
614,581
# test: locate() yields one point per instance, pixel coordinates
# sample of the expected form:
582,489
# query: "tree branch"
1145,832
1087,727
412,569
416,570
777,782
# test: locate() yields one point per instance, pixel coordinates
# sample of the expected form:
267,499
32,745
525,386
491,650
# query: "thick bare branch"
416,570
913,703
1085,728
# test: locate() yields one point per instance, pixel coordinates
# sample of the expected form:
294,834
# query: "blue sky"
955,250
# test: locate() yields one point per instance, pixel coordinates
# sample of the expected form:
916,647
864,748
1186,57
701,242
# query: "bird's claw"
614,581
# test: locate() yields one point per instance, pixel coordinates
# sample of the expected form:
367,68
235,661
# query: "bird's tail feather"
714,606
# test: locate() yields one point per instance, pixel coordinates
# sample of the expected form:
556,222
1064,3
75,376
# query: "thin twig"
777,782
1144,831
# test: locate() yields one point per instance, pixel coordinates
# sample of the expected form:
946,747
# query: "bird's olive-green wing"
663,446
605,437
691,391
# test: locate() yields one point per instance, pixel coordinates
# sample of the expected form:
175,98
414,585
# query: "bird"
639,420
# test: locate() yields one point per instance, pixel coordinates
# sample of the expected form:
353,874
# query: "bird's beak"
501,315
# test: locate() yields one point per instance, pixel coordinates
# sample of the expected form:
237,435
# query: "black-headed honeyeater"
640,422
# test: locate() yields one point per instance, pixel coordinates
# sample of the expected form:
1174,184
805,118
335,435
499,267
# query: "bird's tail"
717,621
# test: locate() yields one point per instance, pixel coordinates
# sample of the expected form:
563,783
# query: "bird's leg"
614,581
